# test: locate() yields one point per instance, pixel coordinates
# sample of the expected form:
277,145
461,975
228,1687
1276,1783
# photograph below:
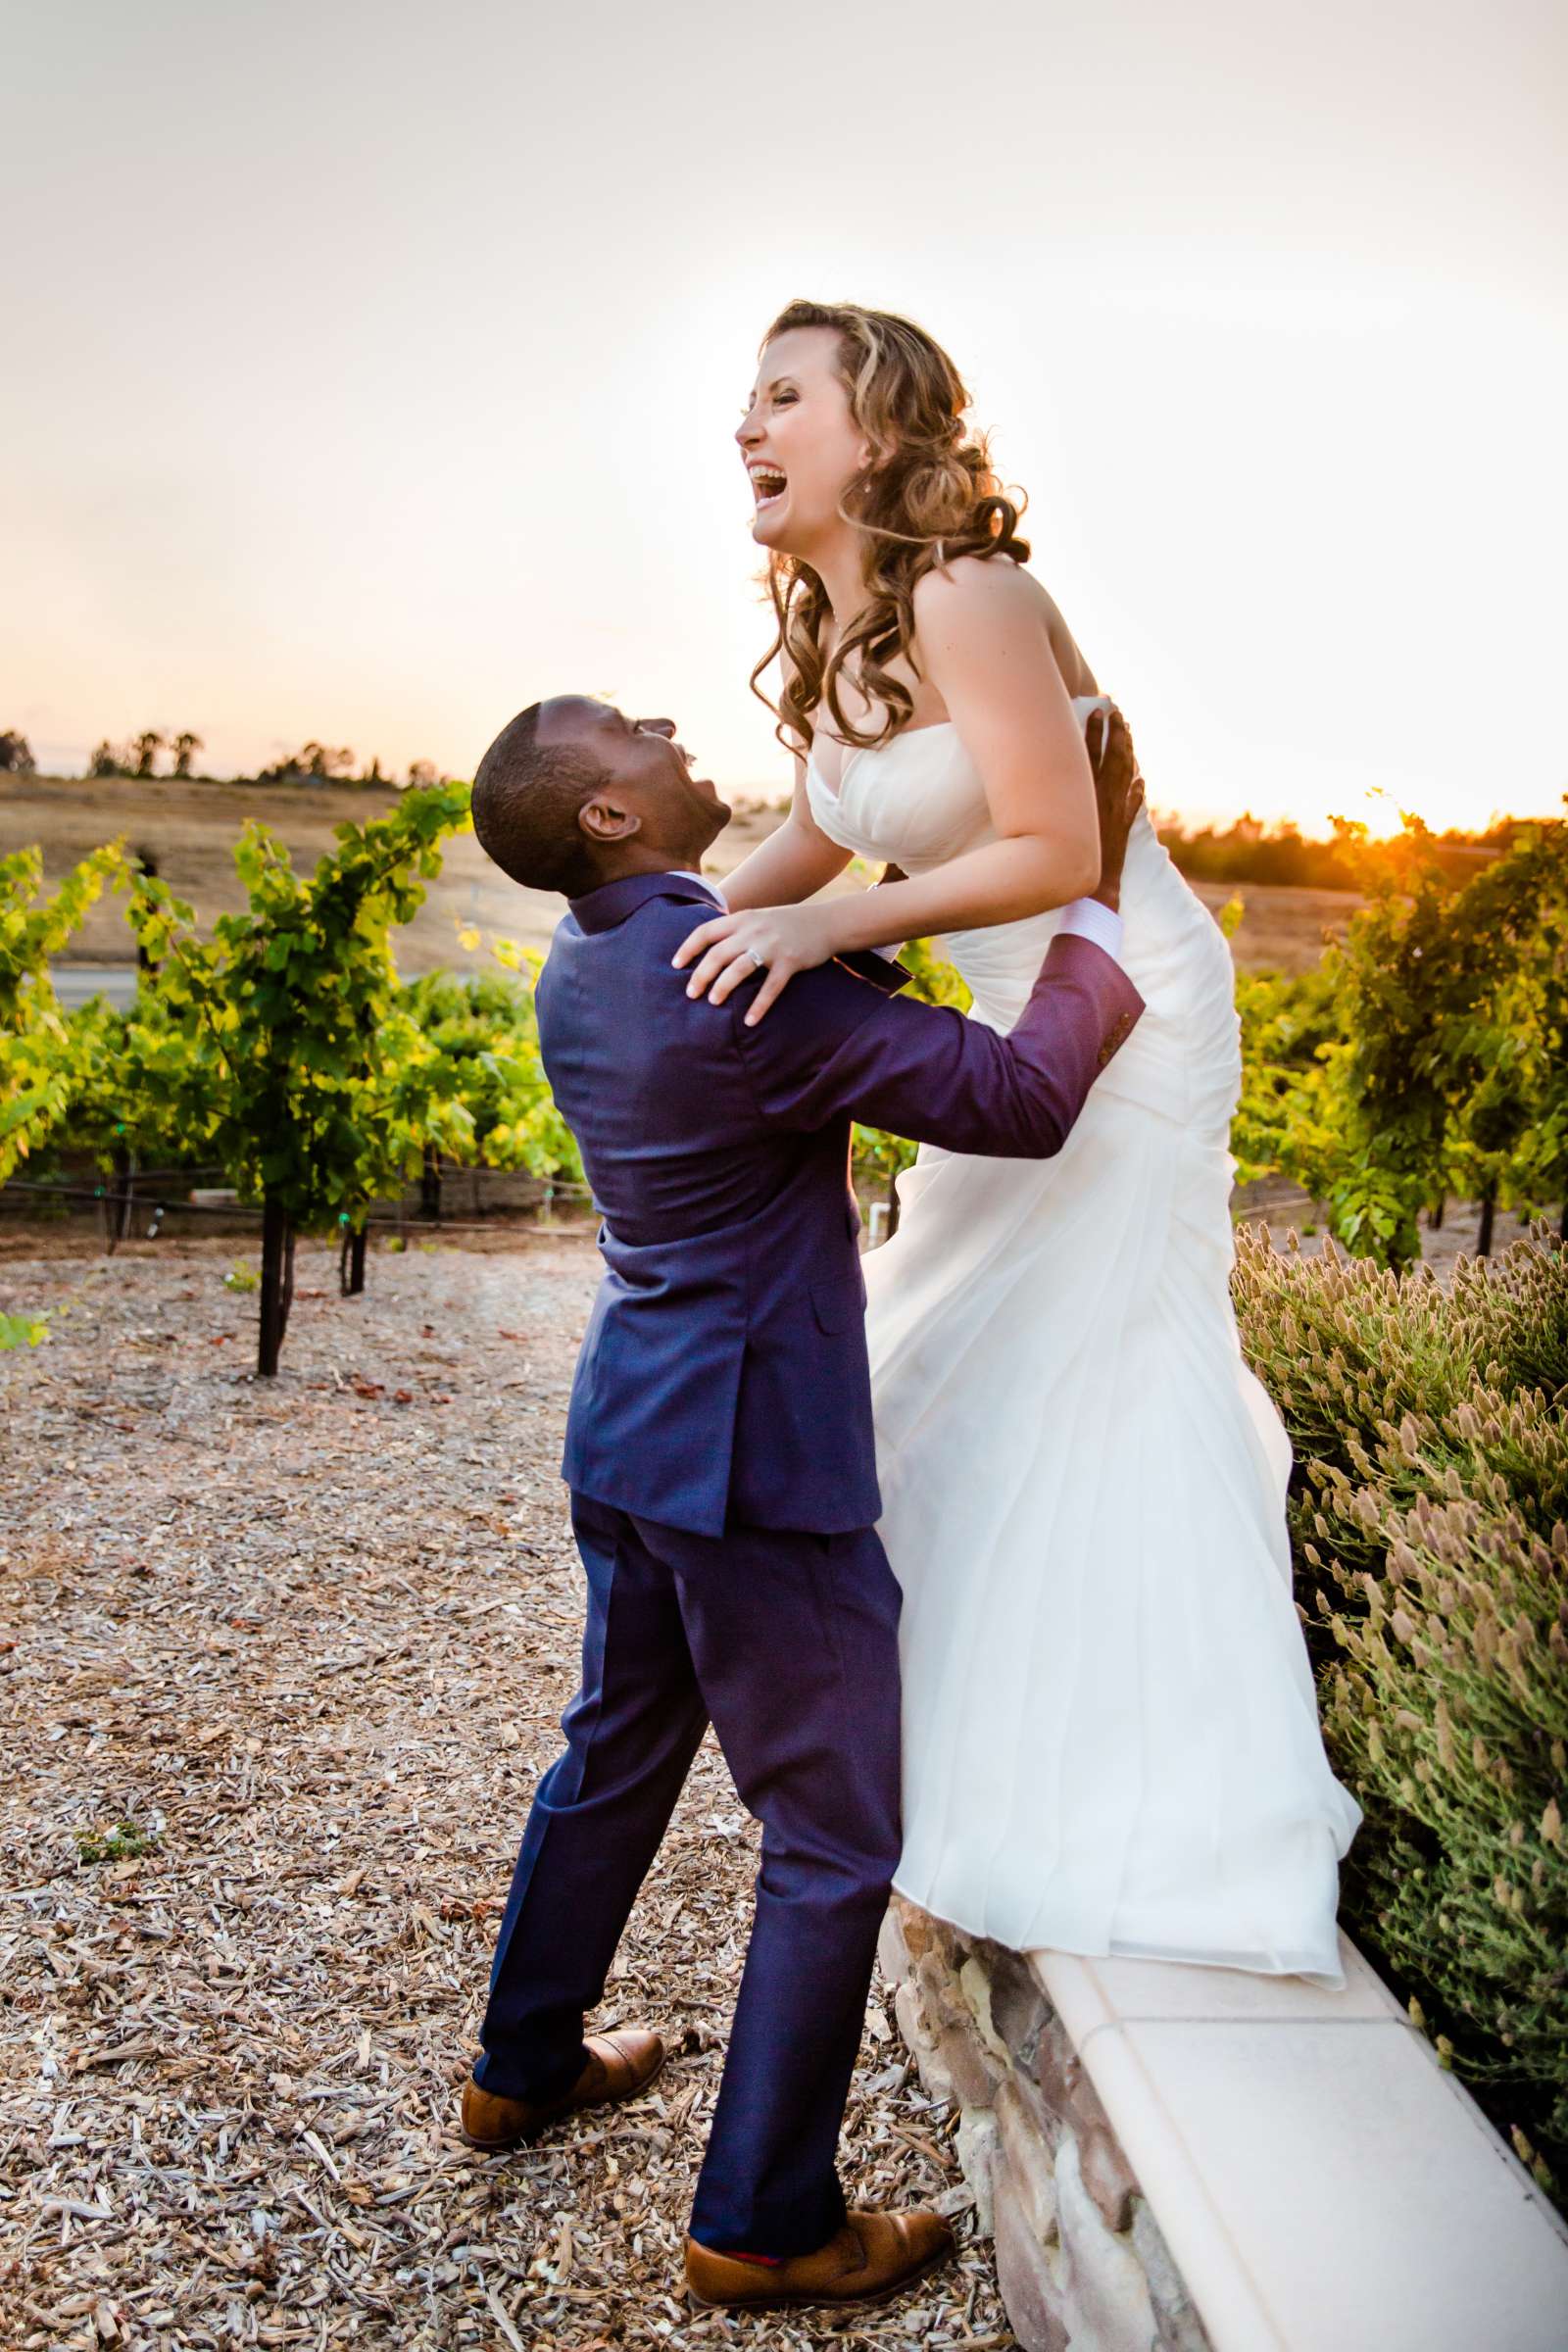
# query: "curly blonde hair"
928,494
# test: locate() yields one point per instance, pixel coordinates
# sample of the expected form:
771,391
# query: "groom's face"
651,794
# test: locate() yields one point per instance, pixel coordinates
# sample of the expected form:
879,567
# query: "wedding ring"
759,961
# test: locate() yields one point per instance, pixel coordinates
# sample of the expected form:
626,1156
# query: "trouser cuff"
506,2076
737,2224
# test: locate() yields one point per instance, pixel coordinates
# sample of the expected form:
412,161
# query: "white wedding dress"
1110,1733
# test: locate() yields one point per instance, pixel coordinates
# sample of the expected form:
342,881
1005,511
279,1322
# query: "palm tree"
184,745
322,762
147,746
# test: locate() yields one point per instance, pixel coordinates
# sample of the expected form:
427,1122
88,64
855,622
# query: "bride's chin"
767,532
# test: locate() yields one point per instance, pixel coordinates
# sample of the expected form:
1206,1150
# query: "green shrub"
880,1156
1427,1057
1343,1345
1447,1711
1290,1026
482,1030
22,1331
126,1842
1429,1516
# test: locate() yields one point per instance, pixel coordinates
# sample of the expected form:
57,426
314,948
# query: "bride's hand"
776,941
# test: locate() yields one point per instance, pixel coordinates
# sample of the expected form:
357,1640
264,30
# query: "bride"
1110,1734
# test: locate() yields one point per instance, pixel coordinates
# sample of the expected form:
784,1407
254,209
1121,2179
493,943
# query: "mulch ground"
281,1663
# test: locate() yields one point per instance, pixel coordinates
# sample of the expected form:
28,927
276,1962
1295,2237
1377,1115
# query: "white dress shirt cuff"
1091,919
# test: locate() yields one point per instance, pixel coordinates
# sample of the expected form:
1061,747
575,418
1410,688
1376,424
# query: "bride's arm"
986,647
794,862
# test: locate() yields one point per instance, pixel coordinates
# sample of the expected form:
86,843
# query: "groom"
720,1459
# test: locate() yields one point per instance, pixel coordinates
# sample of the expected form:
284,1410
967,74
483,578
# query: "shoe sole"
800,2300
558,2115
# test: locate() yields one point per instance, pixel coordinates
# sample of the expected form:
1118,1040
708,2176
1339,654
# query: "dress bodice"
917,800
920,801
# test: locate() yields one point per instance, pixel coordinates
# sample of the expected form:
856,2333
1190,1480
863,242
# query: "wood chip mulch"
280,1665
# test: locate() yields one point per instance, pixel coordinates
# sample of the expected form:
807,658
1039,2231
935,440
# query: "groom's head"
573,794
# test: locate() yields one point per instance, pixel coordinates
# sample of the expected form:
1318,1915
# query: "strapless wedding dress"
1110,1733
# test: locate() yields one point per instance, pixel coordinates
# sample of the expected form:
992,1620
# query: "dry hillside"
190,828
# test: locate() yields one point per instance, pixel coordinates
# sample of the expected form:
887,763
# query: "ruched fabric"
1110,1733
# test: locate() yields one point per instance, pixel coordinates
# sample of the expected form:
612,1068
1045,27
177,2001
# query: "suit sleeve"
835,1043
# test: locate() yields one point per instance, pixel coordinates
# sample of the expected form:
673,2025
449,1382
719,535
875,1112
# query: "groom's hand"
1118,797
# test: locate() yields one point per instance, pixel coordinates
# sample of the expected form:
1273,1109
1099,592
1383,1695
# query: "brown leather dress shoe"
873,2256
619,2066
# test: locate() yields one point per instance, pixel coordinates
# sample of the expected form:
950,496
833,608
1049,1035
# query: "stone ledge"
1080,2258
1179,2159
1321,2182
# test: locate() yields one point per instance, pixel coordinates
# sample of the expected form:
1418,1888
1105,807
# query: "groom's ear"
606,818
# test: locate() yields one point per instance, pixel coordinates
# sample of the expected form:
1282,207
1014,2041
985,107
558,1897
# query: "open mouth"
702,783
768,485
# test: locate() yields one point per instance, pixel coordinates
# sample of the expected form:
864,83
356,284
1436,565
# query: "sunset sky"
372,370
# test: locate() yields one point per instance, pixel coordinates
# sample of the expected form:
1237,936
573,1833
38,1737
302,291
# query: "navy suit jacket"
724,1372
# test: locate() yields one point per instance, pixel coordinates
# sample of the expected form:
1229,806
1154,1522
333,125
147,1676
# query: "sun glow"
1277,350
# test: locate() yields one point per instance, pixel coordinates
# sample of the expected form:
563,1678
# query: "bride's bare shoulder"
978,584
982,590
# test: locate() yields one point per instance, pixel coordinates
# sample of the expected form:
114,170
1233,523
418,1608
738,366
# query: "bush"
1429,1519
484,1029
21,1330
38,1062
1428,1055
879,1158
1290,1026
1343,1346
294,1068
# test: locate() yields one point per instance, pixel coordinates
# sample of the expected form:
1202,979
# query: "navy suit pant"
787,1643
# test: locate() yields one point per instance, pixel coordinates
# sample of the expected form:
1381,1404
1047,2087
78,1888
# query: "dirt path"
309,1641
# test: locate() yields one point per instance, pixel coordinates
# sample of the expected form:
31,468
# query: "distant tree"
314,763
422,774
107,759
324,763
147,746
373,774
184,746
282,771
16,755
1279,853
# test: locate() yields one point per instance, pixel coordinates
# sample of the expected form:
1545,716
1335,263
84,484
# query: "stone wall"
1079,2255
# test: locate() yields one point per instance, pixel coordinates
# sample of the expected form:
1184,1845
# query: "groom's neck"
660,861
